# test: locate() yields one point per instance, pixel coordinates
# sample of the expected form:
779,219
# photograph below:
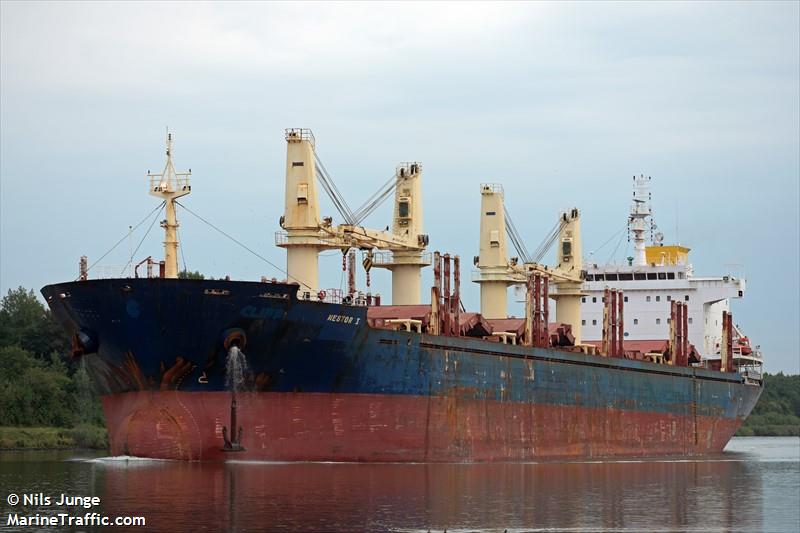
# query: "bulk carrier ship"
200,369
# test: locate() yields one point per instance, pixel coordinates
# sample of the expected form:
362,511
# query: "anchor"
236,444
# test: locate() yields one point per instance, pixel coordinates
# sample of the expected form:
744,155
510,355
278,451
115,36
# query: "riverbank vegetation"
47,399
777,412
50,438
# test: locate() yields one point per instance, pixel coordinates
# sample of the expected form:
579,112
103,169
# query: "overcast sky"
561,103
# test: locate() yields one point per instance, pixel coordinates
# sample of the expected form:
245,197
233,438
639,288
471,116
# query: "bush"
778,410
86,436
33,393
26,323
86,403
40,395
38,438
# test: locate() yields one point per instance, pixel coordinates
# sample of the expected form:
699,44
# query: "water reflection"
754,489
347,497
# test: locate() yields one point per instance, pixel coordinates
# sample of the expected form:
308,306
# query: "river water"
753,486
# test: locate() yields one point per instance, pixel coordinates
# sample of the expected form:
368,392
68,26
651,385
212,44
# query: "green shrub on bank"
769,431
87,436
36,393
47,438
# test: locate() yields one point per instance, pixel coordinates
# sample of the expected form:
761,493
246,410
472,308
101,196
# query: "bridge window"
640,276
625,277
670,275
652,275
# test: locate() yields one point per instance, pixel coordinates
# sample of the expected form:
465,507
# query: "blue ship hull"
323,385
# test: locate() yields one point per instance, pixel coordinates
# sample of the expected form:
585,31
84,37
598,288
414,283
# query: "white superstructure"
650,280
656,275
648,290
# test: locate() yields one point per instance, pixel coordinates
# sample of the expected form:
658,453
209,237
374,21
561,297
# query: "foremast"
170,185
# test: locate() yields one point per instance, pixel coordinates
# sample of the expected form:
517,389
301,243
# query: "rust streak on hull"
370,427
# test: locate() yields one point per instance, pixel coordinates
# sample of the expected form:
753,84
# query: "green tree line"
40,386
778,410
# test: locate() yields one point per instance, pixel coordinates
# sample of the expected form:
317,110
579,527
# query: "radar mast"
638,221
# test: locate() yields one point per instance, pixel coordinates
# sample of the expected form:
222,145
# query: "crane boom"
553,274
346,235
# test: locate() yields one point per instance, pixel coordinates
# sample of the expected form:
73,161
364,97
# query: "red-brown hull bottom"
375,428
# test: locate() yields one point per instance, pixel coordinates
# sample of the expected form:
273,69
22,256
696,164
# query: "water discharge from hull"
235,371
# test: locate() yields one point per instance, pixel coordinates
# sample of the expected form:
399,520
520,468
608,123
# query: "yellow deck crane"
305,234
496,271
